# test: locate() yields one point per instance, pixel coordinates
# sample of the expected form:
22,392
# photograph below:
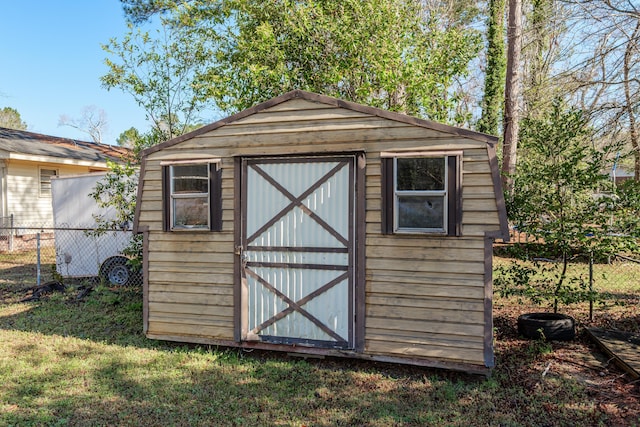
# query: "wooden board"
428,351
623,347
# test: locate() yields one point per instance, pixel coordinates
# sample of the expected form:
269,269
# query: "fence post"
38,259
591,286
11,231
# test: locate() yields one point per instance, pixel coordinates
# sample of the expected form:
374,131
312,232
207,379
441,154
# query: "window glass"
190,196
420,174
420,212
420,194
190,179
191,212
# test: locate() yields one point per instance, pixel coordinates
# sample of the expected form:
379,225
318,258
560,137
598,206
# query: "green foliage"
537,281
627,213
391,54
118,190
10,118
560,200
559,172
139,11
539,347
493,99
128,138
162,71
385,53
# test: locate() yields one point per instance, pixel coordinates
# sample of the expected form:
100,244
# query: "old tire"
548,326
115,271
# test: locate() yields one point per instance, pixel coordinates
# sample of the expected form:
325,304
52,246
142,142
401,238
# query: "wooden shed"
312,225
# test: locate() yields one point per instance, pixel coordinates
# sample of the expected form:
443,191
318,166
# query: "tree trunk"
537,39
493,99
633,132
512,94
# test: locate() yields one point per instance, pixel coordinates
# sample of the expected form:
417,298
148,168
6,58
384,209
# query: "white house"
28,161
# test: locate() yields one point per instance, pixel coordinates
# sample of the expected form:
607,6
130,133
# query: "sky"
51,62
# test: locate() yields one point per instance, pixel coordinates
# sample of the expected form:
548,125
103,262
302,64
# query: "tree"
605,81
392,54
512,94
631,101
493,100
10,118
93,122
545,25
118,190
163,73
558,178
129,138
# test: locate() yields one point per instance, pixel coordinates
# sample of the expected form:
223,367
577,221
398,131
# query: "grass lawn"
68,361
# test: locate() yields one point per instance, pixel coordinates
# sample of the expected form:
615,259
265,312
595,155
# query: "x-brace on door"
297,251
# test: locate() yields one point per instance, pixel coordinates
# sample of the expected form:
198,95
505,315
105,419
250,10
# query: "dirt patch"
539,366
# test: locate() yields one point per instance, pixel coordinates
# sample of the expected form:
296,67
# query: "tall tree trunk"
512,94
493,99
536,56
633,132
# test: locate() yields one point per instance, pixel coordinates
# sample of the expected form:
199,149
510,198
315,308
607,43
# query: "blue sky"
52,62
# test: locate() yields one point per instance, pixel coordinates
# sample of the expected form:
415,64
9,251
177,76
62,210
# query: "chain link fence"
614,279
618,272
31,255
615,272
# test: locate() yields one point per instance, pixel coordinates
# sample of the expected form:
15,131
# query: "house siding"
424,295
24,202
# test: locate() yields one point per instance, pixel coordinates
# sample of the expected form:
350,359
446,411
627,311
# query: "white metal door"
297,251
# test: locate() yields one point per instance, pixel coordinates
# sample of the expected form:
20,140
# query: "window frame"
56,172
452,193
213,195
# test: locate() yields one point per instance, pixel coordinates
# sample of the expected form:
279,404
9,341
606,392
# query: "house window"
192,197
45,181
421,194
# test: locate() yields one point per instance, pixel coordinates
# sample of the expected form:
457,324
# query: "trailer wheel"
115,271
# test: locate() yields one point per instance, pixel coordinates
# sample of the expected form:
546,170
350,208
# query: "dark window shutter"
166,198
215,196
387,195
454,208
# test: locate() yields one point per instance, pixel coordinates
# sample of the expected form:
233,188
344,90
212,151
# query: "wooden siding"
190,284
425,295
24,201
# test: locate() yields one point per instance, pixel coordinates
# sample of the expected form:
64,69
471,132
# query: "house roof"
323,99
22,144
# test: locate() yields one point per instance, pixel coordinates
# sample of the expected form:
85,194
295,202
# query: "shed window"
192,197
45,181
421,195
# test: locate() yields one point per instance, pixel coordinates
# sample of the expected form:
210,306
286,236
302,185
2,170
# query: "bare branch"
93,122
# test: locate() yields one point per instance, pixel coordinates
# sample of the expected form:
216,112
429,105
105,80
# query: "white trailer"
79,251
